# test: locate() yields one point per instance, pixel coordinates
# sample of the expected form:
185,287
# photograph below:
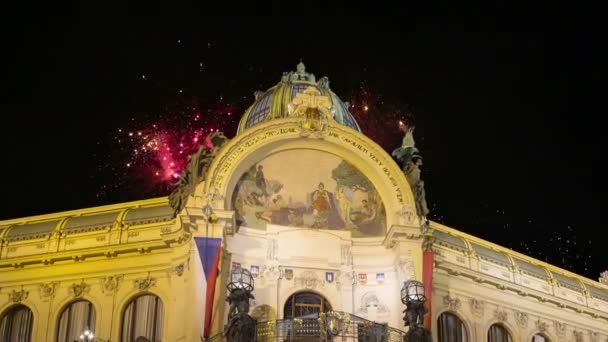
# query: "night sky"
507,112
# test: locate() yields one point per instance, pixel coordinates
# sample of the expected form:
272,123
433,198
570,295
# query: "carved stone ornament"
47,290
111,283
500,314
77,290
143,284
18,296
346,255
313,109
477,307
179,269
309,280
407,215
541,326
578,336
522,319
604,277
560,328
451,302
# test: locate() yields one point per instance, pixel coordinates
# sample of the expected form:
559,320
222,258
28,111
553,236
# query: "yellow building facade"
320,214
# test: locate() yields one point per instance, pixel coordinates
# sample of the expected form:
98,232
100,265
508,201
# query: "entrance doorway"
305,305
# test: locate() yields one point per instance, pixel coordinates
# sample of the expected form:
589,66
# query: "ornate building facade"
323,218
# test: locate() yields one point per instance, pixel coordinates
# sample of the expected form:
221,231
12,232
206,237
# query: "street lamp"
413,296
88,336
241,326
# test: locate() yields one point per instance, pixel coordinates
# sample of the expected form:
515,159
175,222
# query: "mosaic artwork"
308,189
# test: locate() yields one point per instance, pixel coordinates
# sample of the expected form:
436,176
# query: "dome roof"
273,103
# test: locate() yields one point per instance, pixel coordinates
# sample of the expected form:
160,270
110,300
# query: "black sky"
508,112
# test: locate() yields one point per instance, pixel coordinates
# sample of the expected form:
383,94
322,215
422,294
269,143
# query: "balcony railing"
343,327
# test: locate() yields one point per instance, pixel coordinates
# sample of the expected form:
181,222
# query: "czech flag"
209,250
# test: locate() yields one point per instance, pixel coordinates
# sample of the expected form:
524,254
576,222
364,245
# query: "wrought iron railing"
333,326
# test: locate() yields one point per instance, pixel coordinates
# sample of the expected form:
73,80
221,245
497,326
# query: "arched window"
450,328
74,320
498,333
16,324
305,304
539,338
143,317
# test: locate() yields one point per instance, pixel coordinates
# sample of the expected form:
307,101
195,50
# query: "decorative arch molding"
28,303
122,304
466,321
316,291
281,135
513,331
5,309
59,305
549,336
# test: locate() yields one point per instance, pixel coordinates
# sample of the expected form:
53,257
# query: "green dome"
272,104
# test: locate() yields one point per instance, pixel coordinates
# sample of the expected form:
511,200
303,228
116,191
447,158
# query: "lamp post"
88,336
413,296
241,326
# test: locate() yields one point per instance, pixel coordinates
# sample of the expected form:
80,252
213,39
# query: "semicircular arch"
253,145
465,322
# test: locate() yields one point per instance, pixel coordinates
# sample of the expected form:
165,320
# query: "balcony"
331,326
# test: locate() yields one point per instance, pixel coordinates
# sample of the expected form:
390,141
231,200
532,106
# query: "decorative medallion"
380,278
255,271
541,326
109,284
500,314
363,278
144,284
451,302
313,109
522,319
329,277
47,290
78,290
309,280
18,296
179,269
407,215
560,328
289,274
477,307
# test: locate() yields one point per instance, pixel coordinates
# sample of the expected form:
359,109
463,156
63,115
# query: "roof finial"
301,68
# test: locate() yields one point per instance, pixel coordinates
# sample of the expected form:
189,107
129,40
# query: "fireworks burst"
147,155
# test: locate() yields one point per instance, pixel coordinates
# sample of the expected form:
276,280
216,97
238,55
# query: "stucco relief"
560,328
522,319
18,296
372,308
500,314
111,283
47,290
451,302
309,280
78,290
272,250
346,255
477,307
578,336
405,267
541,325
143,284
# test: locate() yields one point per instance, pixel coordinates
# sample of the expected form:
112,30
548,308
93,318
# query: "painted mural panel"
308,189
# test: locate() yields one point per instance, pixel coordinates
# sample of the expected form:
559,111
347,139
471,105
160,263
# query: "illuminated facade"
320,214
